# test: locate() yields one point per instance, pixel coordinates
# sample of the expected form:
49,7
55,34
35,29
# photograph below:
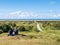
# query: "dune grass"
48,37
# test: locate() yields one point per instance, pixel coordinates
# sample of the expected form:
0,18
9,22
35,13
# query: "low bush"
1,31
28,28
21,28
5,28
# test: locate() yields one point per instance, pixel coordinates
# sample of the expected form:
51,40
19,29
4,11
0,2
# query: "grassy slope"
49,37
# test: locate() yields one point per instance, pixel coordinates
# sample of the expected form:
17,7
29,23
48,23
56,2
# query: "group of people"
13,32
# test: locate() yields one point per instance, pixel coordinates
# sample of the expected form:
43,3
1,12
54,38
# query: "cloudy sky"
29,9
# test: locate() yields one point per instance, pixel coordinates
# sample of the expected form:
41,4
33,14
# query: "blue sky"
29,9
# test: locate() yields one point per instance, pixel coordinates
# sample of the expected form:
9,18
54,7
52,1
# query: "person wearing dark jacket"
10,32
15,31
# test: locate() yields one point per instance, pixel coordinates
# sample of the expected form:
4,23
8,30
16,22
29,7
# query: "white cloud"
15,13
23,15
29,15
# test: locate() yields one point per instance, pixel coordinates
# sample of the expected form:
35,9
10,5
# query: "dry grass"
31,38
14,41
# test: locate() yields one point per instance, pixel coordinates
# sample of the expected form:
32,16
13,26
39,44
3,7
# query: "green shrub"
1,31
22,28
34,28
12,25
28,28
5,28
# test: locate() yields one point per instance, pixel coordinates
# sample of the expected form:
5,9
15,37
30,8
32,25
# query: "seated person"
15,32
10,32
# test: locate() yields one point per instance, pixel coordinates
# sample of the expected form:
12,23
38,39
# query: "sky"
29,9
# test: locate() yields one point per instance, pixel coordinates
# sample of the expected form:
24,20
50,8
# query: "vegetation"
28,33
29,25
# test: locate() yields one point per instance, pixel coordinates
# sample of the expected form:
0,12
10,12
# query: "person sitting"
10,32
15,32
